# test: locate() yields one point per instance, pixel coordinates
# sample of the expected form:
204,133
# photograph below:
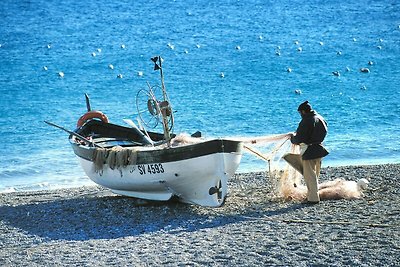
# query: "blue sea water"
198,40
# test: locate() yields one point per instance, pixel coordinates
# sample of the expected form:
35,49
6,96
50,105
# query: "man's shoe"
311,202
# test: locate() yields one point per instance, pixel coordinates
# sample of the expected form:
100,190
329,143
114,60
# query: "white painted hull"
189,179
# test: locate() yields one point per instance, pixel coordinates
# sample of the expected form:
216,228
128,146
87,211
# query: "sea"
231,68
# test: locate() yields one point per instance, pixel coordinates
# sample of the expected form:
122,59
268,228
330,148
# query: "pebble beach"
91,226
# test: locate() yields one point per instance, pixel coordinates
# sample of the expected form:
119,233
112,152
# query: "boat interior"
108,134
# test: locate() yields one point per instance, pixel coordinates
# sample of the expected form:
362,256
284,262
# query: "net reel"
153,105
151,110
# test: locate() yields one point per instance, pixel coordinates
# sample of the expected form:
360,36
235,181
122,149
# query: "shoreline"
91,226
343,163
88,182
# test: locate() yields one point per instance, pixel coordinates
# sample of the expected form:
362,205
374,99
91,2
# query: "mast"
164,105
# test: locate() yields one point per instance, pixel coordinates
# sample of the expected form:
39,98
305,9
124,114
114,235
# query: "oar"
144,137
80,137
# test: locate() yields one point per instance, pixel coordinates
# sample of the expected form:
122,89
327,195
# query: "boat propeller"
216,190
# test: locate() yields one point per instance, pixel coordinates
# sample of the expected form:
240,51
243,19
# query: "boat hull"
196,173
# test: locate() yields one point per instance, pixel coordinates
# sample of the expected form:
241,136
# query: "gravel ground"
90,226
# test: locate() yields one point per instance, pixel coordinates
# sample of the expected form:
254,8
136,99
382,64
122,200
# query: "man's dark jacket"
312,130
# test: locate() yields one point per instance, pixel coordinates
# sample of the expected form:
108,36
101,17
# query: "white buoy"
49,46
119,76
260,37
93,54
186,51
370,63
99,50
339,53
354,40
289,69
123,46
198,46
45,68
61,74
321,43
363,87
336,73
379,47
238,47
222,75
297,92
278,53
299,49
171,46
140,73
348,69
110,66
365,70
296,42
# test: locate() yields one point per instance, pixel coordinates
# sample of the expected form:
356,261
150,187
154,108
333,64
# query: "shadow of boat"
112,217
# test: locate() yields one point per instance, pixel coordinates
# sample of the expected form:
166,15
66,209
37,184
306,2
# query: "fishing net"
284,179
287,182
116,157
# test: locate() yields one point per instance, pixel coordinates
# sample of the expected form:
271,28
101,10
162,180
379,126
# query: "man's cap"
305,106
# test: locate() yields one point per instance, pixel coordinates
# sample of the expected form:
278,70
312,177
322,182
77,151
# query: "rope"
271,154
256,152
262,139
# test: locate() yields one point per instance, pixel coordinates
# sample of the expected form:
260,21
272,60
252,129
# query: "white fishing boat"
135,162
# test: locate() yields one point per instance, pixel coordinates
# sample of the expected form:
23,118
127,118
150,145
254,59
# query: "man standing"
309,135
